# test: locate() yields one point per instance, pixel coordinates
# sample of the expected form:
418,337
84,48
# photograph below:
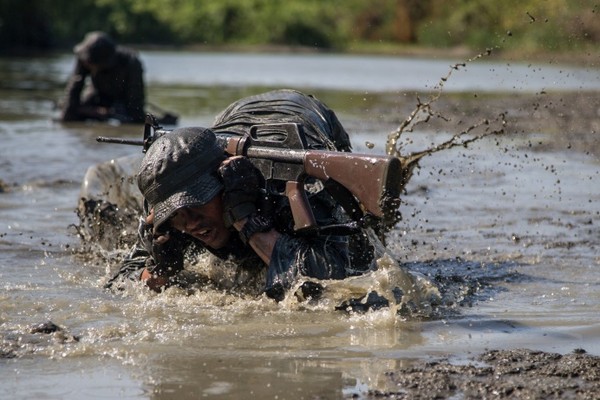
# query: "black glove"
242,183
167,255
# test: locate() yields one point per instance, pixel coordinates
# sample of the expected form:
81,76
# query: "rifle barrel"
133,142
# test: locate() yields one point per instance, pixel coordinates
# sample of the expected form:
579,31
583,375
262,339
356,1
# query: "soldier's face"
205,223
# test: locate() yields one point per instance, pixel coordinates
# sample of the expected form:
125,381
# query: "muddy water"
507,229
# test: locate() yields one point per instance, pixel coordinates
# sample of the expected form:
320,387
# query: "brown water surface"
507,229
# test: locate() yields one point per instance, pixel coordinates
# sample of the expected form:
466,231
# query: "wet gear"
320,256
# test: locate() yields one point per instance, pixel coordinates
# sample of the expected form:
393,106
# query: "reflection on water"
509,237
45,378
360,73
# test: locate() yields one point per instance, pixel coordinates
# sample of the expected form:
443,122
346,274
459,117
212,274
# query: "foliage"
326,24
525,24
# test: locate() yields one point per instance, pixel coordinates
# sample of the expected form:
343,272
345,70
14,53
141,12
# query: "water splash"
405,293
423,113
387,286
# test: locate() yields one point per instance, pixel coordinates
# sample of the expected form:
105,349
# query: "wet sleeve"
322,257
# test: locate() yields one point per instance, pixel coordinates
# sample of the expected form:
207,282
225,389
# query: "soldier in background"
116,85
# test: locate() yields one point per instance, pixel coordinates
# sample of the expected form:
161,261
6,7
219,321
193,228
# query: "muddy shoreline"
500,374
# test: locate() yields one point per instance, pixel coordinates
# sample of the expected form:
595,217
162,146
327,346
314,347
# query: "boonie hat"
179,170
96,48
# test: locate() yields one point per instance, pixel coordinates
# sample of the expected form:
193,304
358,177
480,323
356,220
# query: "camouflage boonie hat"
180,170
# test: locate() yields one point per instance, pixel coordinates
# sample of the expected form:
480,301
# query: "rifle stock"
371,179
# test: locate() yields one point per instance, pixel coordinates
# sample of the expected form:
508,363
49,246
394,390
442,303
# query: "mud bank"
500,374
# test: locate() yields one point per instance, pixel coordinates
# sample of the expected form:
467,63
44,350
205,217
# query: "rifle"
366,186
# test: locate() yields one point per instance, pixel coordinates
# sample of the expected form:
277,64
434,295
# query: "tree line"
335,25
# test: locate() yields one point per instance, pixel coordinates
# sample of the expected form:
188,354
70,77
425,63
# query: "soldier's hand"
165,246
151,233
242,183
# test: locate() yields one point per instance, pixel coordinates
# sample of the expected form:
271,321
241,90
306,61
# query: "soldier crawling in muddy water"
197,198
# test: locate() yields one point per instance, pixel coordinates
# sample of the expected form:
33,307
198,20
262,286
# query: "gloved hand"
167,255
242,183
148,234
165,246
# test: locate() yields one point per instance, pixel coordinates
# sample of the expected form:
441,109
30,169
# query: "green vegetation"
338,25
